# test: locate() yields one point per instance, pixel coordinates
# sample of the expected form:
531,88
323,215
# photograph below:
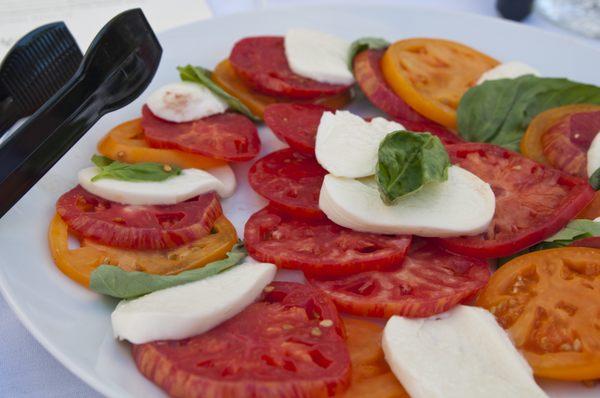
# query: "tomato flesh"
319,247
262,63
295,124
289,344
367,70
290,180
533,201
566,143
138,227
227,136
548,302
428,282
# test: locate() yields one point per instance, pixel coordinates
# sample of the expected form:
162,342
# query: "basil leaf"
575,230
200,75
113,281
499,111
407,161
362,44
148,171
595,180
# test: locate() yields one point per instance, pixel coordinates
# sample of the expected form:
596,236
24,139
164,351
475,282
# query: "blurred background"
32,372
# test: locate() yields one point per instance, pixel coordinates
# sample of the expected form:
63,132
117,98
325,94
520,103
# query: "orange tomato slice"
226,77
126,143
432,75
79,263
548,301
371,375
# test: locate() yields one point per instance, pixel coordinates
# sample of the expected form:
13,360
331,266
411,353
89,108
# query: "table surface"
28,370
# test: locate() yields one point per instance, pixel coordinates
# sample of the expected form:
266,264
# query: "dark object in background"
35,68
516,10
118,66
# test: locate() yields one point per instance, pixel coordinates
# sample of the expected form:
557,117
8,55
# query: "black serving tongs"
117,67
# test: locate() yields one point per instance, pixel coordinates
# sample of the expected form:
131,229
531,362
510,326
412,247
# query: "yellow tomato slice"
79,263
371,375
432,75
126,143
226,77
548,301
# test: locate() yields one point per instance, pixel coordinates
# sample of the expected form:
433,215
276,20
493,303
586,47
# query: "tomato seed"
167,168
316,332
269,289
326,323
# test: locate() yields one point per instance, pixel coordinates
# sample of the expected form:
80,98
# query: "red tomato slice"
533,201
290,180
295,124
289,344
428,282
369,77
228,136
261,61
138,227
565,144
319,247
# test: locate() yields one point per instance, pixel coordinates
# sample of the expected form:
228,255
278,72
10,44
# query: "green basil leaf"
362,44
575,230
148,171
407,161
499,111
595,180
115,282
200,75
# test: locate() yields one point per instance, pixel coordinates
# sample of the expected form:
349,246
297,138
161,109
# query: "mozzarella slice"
508,70
190,183
347,145
593,155
462,205
318,56
463,353
184,102
191,309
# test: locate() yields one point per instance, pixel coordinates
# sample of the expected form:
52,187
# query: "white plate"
73,323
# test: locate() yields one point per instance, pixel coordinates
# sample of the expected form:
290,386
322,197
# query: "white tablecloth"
27,370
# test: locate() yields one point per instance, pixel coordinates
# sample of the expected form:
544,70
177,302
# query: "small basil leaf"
407,161
200,75
133,172
115,282
499,111
362,44
101,161
595,180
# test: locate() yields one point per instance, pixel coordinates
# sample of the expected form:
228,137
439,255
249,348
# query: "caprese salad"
462,219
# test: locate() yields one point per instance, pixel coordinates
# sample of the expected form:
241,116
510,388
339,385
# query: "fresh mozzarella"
191,309
593,155
318,56
184,102
508,70
461,205
347,145
190,183
460,354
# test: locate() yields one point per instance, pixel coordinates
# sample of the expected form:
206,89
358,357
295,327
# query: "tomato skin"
431,75
270,349
125,143
290,180
319,247
227,136
547,302
369,77
138,227
533,201
429,281
226,77
262,63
